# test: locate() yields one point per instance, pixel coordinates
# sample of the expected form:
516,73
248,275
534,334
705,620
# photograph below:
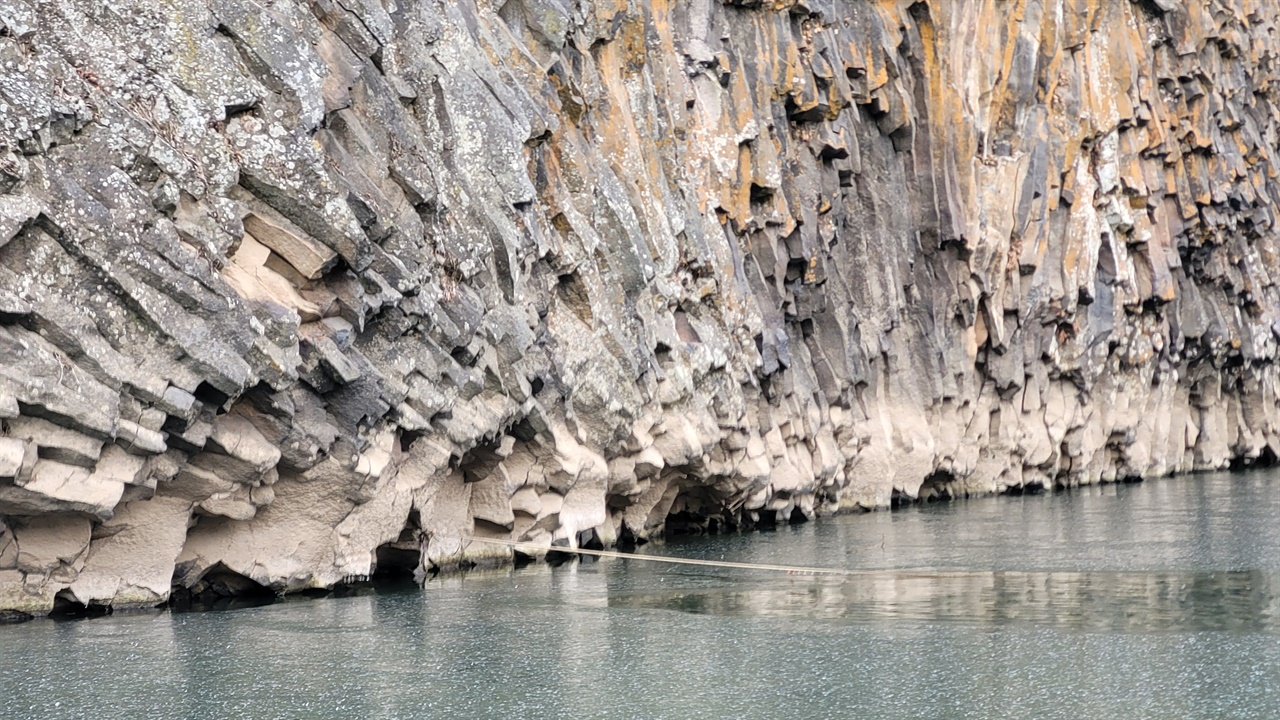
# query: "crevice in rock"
662,353
407,438
898,499
589,539
480,461
760,194
764,521
211,396
237,110
628,540
573,293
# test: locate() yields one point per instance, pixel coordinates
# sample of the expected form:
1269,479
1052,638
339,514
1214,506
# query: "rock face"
287,286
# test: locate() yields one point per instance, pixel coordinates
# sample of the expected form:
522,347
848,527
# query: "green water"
1143,601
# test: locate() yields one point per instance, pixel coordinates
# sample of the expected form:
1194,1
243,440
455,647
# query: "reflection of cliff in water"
1112,601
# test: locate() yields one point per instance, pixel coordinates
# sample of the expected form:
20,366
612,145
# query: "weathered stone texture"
284,282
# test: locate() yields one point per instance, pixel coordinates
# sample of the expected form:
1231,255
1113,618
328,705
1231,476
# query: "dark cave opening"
1035,487
898,499
937,487
408,438
798,516
662,352
401,559
1265,459
66,607
221,588
700,511
210,395
396,563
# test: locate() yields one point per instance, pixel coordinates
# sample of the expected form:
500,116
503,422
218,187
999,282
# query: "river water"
1157,600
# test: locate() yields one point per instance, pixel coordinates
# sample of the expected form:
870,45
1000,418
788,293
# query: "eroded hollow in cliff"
1265,459
691,514
400,559
67,607
1034,487
699,511
218,588
937,486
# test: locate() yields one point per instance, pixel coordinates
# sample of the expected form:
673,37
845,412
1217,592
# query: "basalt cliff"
294,291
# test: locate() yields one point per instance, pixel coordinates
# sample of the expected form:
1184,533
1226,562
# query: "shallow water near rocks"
1157,600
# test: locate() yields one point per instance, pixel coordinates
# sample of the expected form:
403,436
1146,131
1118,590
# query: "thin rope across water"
796,569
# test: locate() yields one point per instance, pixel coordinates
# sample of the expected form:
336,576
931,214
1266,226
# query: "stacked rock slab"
283,283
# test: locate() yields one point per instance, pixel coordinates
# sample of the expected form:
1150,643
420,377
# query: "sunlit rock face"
287,287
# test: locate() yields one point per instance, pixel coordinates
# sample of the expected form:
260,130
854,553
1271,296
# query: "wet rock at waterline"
288,288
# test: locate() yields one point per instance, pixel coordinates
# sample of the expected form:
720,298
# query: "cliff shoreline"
286,283
228,590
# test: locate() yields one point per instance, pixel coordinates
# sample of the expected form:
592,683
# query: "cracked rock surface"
288,289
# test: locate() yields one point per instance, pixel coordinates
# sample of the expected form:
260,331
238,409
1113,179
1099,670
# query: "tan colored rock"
57,487
490,502
236,504
57,443
50,543
237,451
249,275
17,457
331,538
130,561
308,257
526,501
16,594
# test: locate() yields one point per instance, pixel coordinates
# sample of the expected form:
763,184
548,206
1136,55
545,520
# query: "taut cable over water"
798,569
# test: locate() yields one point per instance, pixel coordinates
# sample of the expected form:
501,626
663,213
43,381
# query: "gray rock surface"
283,282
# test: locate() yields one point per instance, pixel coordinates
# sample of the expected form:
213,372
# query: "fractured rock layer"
285,283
